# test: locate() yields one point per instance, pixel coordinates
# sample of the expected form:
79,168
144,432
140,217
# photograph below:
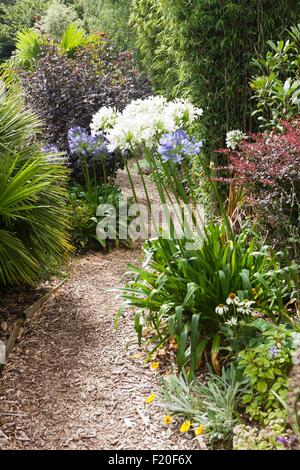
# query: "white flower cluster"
105,118
143,121
244,307
234,138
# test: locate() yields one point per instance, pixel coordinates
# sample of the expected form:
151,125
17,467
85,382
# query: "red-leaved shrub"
266,167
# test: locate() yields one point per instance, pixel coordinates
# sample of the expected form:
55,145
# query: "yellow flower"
154,365
185,427
150,399
200,430
168,420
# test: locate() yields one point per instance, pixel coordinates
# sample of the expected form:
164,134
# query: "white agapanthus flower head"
104,119
181,111
143,121
234,138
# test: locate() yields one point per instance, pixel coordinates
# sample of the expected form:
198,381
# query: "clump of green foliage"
109,16
16,16
33,217
57,17
212,402
178,290
203,49
265,365
277,86
87,224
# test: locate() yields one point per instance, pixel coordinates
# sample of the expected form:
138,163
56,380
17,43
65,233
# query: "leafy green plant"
57,19
73,37
33,217
16,16
277,86
86,221
178,289
111,16
213,402
28,47
265,365
270,437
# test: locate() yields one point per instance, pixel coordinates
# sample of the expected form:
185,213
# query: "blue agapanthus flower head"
82,143
176,145
77,138
49,148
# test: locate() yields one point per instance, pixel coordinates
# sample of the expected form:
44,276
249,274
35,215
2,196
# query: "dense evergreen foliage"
203,49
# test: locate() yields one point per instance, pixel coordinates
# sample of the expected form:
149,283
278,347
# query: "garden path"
73,382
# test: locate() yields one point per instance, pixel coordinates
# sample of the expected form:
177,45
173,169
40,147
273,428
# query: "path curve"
73,382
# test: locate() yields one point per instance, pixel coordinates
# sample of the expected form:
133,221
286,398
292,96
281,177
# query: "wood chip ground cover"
73,382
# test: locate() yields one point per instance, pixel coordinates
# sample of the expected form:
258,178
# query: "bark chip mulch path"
73,382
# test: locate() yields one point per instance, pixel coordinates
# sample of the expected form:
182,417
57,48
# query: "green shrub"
110,16
33,216
203,49
265,366
277,87
83,204
28,47
57,18
16,16
31,44
178,291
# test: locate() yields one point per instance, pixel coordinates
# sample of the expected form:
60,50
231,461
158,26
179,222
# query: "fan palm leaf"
33,216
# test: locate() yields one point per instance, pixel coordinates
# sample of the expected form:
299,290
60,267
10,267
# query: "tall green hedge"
203,49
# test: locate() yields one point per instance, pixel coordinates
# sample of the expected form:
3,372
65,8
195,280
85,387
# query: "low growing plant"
272,437
83,204
212,401
265,365
178,290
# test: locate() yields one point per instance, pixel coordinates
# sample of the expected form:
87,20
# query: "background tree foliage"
16,15
203,49
110,16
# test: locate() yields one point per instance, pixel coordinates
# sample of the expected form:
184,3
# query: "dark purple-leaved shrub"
67,91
